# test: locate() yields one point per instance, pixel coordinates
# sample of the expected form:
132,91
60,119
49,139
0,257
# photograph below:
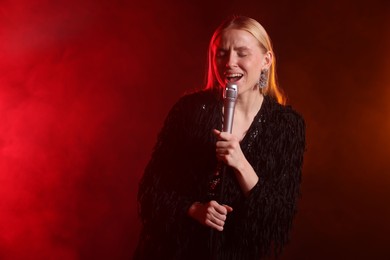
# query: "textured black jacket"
179,173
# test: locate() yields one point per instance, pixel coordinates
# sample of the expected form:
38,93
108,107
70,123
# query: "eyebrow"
243,48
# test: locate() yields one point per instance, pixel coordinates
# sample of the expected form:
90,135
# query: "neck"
249,102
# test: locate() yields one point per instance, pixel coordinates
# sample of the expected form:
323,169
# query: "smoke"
62,145
85,85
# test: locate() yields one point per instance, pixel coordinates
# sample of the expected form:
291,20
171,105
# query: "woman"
263,155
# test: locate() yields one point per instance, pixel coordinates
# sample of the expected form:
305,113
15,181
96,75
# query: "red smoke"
85,86
64,180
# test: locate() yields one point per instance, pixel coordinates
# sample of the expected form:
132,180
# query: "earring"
263,80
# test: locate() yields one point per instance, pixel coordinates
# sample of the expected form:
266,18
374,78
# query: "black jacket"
183,163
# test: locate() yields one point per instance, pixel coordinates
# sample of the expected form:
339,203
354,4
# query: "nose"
231,60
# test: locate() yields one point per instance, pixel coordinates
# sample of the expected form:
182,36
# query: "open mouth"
233,77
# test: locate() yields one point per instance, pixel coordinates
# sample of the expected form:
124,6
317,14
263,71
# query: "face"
239,59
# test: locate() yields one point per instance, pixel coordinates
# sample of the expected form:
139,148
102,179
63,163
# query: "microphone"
229,102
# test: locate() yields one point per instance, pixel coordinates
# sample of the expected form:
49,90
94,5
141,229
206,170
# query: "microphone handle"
228,115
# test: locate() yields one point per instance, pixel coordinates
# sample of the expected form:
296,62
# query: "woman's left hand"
228,149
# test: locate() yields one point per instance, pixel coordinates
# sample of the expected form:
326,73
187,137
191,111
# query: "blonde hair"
253,27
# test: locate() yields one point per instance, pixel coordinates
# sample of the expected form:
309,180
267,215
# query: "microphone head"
230,91
229,102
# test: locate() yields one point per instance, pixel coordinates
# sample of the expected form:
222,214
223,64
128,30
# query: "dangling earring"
263,80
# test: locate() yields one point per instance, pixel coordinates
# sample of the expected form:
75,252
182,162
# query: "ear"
267,61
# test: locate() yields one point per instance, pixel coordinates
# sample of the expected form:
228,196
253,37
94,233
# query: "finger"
213,225
228,208
221,210
221,144
216,132
221,150
225,136
222,135
214,219
214,206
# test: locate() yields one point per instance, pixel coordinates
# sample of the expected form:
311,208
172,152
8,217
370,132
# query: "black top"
183,163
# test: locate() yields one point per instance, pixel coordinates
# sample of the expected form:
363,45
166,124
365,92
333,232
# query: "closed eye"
242,54
220,53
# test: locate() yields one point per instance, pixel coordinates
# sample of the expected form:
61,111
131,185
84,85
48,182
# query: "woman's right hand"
210,214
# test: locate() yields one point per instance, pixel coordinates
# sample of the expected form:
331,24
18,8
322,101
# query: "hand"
210,214
228,149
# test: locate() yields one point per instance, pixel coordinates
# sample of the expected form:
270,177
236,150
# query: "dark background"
85,87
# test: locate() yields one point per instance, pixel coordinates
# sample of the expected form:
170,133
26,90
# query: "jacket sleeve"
162,202
272,203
